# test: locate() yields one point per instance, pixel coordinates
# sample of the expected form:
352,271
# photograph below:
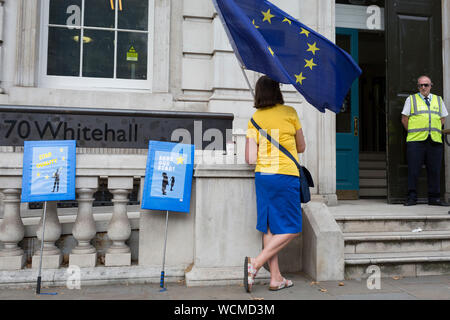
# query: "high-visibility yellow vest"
425,120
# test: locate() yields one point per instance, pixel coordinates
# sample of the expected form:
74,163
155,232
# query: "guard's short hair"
425,76
267,93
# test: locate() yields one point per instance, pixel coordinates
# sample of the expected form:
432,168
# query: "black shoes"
431,202
438,202
410,202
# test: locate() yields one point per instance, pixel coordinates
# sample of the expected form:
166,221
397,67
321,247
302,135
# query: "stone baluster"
51,256
12,232
119,228
84,229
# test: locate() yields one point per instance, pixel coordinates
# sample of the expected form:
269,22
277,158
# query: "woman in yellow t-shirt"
276,179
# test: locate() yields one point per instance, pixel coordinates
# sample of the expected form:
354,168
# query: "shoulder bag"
306,180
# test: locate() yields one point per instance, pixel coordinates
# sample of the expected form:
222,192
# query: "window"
96,43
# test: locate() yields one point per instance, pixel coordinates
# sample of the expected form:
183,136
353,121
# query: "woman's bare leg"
273,243
275,274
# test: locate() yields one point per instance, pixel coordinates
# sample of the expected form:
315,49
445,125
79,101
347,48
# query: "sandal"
283,285
249,275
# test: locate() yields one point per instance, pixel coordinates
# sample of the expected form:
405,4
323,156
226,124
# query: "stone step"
379,242
372,165
373,192
393,223
372,174
405,264
372,183
372,156
396,257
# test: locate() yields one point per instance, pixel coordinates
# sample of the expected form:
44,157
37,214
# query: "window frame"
79,82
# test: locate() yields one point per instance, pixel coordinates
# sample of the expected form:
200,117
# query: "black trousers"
429,153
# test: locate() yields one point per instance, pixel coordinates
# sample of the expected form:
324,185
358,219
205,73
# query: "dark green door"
414,47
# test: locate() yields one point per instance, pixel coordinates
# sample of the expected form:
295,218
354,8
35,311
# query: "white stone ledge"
397,257
397,236
198,277
389,217
224,171
92,276
87,97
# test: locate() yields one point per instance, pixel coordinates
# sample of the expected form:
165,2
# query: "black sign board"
105,128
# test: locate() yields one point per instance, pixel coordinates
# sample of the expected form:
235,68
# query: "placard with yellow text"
49,170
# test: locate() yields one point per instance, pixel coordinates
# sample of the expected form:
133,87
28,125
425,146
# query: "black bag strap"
301,169
275,143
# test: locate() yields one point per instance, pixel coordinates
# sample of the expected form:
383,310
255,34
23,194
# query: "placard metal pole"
161,284
38,286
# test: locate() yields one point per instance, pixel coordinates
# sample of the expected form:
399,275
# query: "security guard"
423,117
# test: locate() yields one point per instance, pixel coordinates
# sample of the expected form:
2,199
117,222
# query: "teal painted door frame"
347,137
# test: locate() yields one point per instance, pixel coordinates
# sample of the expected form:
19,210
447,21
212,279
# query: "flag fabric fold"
265,39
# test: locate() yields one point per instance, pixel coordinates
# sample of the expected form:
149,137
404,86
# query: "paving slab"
423,288
168,304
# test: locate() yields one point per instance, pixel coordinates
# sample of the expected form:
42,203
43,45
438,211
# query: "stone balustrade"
119,170
205,246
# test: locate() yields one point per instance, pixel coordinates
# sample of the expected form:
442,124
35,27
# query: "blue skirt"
278,203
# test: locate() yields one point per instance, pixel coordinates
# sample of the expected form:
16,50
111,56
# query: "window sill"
91,98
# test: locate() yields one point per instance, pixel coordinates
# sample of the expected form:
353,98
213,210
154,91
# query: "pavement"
232,302
420,288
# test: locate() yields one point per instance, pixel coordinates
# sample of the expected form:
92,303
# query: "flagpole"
248,82
233,45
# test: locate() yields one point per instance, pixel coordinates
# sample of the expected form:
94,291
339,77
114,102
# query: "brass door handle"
356,120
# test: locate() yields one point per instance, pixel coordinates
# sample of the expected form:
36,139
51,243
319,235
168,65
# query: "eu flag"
267,40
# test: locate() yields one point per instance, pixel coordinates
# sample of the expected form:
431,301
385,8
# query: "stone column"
320,16
446,85
12,232
51,257
224,225
84,229
119,228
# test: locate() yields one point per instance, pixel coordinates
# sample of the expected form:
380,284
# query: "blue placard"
49,170
168,177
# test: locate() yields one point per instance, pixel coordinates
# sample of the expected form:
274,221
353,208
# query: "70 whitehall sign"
105,128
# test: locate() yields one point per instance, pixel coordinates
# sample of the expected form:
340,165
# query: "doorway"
372,110
404,43
361,125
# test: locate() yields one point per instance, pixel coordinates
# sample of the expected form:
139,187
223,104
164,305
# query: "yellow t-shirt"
282,123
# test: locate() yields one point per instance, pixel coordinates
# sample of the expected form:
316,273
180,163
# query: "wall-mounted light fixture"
112,4
85,39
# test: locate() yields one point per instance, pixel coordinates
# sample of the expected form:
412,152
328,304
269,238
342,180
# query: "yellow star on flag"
310,63
287,20
305,32
257,27
63,158
267,16
46,177
180,160
271,51
313,48
300,78
38,174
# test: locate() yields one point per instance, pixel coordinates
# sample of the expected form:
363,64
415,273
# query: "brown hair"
267,93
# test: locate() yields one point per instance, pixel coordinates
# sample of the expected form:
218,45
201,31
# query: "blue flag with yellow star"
267,40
